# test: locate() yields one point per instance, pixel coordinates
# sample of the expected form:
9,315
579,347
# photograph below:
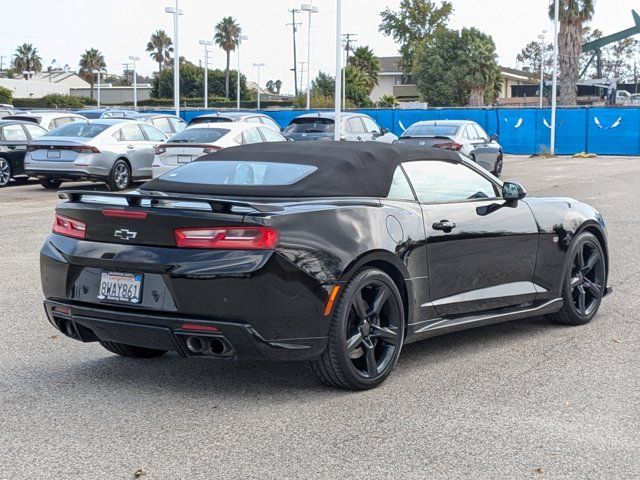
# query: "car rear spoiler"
162,200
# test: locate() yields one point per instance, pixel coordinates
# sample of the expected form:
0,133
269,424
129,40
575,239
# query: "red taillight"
455,146
160,149
69,227
124,214
85,149
230,238
211,149
77,149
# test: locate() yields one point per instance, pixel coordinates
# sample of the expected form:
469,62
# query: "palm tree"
91,60
227,37
364,60
480,67
27,59
160,48
573,15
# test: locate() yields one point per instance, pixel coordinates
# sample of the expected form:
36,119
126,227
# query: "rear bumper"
171,332
65,174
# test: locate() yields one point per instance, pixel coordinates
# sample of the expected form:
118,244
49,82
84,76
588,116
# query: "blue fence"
601,130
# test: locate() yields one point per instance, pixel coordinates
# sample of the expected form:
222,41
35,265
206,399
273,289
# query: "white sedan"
198,140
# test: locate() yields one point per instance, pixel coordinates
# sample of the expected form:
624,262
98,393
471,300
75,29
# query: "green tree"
573,16
365,60
192,82
479,63
388,101
323,85
227,37
414,23
271,86
278,85
27,59
6,96
91,60
160,48
356,86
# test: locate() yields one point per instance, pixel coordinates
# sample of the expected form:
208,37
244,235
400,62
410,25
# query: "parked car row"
121,146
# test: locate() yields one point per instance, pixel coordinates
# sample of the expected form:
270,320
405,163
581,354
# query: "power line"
294,26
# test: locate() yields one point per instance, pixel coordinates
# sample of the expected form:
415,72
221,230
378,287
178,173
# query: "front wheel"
366,333
584,282
497,168
50,183
5,172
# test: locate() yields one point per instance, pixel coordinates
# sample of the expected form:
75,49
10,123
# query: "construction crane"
596,45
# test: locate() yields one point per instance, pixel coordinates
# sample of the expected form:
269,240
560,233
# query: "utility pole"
2,57
295,26
125,68
348,39
302,71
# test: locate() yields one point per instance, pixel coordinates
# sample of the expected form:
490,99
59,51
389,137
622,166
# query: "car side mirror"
493,137
512,191
384,131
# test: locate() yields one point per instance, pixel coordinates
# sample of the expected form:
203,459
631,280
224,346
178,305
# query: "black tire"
5,172
366,333
584,281
50,183
132,351
21,180
120,176
497,168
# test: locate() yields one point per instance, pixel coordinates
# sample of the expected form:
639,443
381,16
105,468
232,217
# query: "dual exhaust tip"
211,346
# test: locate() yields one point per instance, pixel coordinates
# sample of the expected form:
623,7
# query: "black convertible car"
334,253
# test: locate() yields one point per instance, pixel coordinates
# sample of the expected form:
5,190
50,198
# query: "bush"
54,100
6,96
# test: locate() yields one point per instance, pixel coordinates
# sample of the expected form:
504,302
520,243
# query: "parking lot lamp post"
241,38
207,44
259,65
541,38
307,7
135,81
98,72
338,89
554,82
176,56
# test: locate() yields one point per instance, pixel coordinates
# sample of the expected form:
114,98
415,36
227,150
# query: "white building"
42,84
110,95
391,81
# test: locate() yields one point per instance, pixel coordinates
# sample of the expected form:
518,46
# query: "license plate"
53,153
120,287
184,158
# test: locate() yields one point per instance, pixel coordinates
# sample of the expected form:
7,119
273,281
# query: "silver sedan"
116,152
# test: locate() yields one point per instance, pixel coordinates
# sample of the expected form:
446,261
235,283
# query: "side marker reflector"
199,328
332,299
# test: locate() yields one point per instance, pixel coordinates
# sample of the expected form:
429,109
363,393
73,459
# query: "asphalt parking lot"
526,399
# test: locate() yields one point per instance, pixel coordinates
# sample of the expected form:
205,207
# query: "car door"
251,135
270,123
481,251
154,137
355,131
374,131
139,149
485,150
270,135
13,146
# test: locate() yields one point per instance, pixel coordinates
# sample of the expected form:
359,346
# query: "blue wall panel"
601,130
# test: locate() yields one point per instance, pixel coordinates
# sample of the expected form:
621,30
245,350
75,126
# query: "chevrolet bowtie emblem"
125,234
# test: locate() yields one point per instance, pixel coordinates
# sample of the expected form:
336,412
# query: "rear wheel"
5,172
497,169
132,351
50,183
366,333
584,282
120,176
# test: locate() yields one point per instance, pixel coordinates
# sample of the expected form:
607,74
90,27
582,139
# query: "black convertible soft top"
351,169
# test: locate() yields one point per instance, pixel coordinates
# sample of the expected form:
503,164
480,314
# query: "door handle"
359,138
444,225
131,147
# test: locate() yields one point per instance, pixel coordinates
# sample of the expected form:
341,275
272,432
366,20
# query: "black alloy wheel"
497,169
584,285
5,172
366,335
50,183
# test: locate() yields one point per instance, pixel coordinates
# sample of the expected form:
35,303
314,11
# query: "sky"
63,29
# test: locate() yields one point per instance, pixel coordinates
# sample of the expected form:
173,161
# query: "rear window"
199,135
221,172
310,125
24,118
91,115
78,129
197,120
431,131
